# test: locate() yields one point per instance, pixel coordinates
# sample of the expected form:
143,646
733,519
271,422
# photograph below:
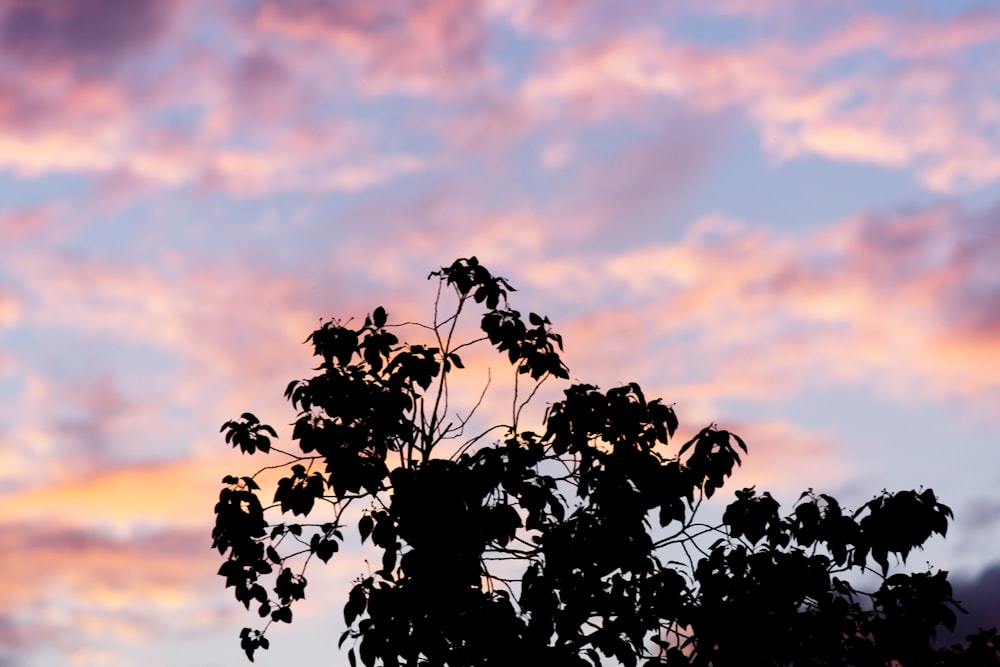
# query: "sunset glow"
781,216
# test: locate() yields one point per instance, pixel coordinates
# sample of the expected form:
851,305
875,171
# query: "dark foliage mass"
580,545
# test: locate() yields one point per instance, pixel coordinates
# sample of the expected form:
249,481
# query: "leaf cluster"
580,545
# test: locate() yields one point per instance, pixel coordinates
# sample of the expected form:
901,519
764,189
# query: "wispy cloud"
431,47
90,596
898,108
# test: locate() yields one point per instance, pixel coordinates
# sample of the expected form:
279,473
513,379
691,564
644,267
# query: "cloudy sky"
782,216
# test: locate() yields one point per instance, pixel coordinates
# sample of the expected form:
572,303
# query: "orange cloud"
177,494
10,306
732,311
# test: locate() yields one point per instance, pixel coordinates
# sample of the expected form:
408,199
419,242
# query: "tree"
576,546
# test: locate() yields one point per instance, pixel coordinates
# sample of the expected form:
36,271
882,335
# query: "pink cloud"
550,18
920,36
24,223
803,98
760,9
487,122
786,459
650,177
262,131
728,311
62,124
557,154
86,594
10,307
211,321
433,46
733,311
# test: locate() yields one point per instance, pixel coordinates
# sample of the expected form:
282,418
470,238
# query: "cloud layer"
186,191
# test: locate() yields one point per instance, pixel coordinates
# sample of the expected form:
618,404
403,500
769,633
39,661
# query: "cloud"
261,84
752,8
918,37
805,98
77,592
428,47
87,36
25,223
10,307
856,93
741,312
728,311
126,497
192,330
102,102
553,19
52,138
978,596
486,122
786,459
733,311
649,179
981,514
138,301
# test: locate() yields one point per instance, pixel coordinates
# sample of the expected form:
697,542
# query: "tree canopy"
579,545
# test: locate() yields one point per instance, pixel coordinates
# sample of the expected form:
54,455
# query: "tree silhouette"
577,546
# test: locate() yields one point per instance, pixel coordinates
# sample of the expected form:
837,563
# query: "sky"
783,217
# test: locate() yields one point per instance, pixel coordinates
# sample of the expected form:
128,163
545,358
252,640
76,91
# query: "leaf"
365,525
379,317
248,643
325,549
356,603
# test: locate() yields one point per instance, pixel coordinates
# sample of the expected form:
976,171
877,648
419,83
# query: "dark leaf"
365,525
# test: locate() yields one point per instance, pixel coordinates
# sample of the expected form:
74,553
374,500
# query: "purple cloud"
980,596
87,35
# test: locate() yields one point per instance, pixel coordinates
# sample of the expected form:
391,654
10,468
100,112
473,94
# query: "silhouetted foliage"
576,546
